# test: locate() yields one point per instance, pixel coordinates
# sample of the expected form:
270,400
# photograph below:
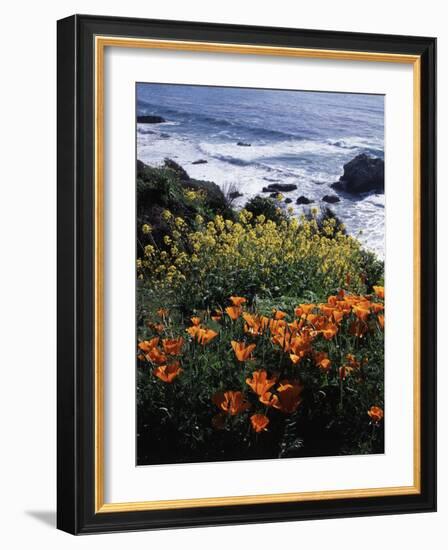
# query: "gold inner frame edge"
101,42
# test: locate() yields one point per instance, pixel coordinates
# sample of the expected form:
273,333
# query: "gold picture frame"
100,41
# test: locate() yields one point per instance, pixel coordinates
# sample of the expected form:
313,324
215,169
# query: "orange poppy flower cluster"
325,319
296,339
165,358
286,397
202,335
311,321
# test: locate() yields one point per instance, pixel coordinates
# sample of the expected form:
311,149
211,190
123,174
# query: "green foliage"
372,269
257,257
194,252
267,207
175,420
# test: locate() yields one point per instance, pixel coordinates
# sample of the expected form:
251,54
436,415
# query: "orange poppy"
277,314
158,327
259,422
234,312
321,360
231,402
361,312
156,356
376,307
338,315
253,324
196,321
288,396
167,373
307,308
206,335
301,345
162,312
274,325
344,371
295,358
260,383
352,361
148,345
295,326
326,309
329,331
381,321
237,300
242,351
298,312
193,330
376,414
174,346
344,306
314,319
283,339
379,291
268,399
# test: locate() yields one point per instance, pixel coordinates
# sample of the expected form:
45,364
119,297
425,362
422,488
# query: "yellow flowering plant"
253,255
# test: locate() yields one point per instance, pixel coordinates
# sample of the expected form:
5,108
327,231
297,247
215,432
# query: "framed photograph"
246,267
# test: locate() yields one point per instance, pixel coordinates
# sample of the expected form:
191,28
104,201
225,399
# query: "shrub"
198,268
267,207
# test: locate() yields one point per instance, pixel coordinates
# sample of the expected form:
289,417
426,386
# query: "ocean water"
296,137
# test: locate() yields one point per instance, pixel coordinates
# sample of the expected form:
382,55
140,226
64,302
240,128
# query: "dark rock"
279,187
303,200
150,119
331,199
235,194
363,174
273,195
216,199
200,161
177,169
288,200
244,144
161,188
140,167
164,136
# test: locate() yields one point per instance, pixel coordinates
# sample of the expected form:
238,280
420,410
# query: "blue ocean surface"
298,137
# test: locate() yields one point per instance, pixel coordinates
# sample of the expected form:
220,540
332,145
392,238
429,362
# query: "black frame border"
76,262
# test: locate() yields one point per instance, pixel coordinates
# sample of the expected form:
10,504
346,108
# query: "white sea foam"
250,169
